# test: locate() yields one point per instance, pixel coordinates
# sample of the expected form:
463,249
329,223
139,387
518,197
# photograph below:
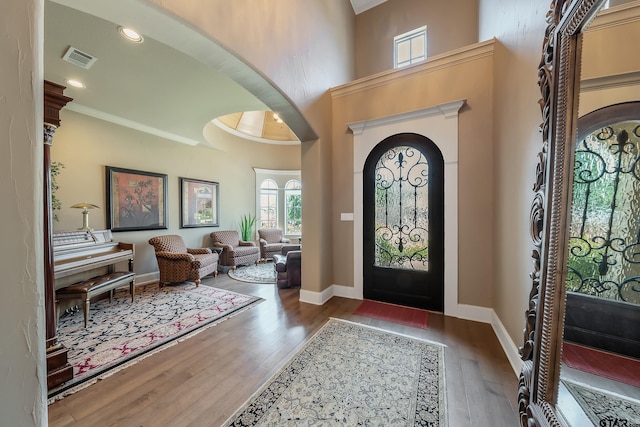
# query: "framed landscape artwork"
199,205
136,200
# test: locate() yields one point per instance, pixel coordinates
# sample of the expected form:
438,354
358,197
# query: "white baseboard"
147,278
345,292
464,311
488,315
475,313
317,298
508,346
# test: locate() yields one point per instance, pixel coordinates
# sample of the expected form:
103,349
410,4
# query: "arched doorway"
440,123
603,266
403,234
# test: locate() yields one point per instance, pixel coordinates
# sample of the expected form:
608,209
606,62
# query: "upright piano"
81,255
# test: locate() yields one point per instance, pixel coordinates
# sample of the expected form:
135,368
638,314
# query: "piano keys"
81,255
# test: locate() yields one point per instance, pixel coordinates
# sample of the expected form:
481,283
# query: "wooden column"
58,368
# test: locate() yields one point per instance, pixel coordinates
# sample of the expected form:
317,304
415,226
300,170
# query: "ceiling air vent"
79,58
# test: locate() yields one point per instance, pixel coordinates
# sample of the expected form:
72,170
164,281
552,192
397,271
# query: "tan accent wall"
86,145
519,26
449,78
451,24
610,68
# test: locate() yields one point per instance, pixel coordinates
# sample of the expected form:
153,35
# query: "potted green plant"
56,204
247,223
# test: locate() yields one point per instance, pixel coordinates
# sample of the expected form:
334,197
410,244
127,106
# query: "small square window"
410,47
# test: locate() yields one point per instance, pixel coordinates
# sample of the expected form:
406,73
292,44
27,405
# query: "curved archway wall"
440,124
297,51
167,23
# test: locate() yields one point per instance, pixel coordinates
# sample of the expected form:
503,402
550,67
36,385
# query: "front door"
403,235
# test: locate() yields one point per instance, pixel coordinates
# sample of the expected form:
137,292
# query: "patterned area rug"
605,408
261,273
120,333
350,374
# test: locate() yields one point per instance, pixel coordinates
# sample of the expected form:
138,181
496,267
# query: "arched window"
269,204
293,207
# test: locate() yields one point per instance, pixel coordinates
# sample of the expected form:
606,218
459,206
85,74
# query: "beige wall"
86,145
451,24
519,26
413,89
321,57
22,333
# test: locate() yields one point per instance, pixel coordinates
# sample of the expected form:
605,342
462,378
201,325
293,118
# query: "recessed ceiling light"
130,34
76,83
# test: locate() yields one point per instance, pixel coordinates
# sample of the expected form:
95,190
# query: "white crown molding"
121,121
611,81
432,64
448,110
615,16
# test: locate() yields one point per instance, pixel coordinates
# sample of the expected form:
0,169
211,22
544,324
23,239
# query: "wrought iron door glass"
402,209
604,247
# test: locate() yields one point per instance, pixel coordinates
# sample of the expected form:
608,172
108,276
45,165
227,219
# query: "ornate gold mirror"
584,68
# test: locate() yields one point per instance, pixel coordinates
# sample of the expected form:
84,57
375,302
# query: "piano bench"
96,286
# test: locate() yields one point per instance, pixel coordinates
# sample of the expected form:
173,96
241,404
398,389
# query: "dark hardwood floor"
204,379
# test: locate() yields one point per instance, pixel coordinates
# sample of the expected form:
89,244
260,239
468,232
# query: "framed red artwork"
136,200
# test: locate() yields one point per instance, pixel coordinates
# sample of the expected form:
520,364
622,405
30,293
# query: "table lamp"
85,214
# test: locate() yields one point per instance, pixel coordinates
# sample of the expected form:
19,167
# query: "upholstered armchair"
288,269
271,242
235,251
177,263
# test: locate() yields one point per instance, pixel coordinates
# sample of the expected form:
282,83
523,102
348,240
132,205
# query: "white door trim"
440,125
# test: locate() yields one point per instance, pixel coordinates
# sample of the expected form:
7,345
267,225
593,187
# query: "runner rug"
261,273
394,313
604,408
352,374
120,333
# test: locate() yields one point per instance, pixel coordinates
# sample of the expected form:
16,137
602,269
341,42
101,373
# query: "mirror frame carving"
558,78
